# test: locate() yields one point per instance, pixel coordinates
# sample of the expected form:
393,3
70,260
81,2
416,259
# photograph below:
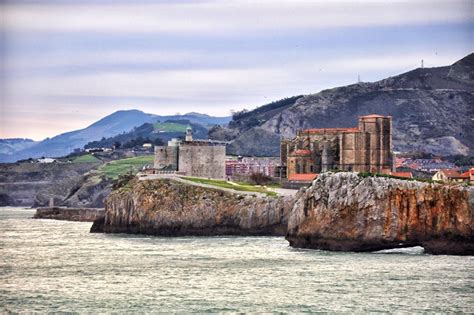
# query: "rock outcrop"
69,214
171,208
345,212
26,184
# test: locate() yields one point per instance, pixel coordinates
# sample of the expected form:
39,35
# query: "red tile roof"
451,173
373,116
307,177
467,174
403,174
330,130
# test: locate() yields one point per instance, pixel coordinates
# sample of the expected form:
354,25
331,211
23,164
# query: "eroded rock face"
344,212
169,208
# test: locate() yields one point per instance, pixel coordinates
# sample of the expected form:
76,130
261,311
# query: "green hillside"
170,127
88,158
119,167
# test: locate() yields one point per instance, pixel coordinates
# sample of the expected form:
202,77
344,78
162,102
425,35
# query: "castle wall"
202,161
166,157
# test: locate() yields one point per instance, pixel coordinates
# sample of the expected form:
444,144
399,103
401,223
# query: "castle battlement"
198,158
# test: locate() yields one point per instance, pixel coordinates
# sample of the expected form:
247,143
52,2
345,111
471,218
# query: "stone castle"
366,148
197,158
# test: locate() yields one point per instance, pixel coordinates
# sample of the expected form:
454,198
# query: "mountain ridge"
431,109
109,126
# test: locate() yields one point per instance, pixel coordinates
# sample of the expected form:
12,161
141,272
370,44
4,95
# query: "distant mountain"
8,146
116,123
432,110
157,133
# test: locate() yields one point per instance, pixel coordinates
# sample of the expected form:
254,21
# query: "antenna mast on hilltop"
358,78
422,64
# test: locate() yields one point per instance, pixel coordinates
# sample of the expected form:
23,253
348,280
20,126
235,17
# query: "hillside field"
119,167
170,127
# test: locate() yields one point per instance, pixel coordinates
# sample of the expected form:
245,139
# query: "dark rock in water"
98,225
345,212
170,208
69,214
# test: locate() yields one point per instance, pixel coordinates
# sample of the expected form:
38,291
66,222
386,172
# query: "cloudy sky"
67,63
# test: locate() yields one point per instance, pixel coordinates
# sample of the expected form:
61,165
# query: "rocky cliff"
170,208
431,110
28,184
345,212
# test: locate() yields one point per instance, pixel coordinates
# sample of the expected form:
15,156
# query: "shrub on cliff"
368,174
123,180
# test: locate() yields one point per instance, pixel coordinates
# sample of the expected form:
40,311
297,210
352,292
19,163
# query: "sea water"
58,266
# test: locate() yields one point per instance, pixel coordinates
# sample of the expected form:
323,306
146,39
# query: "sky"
64,64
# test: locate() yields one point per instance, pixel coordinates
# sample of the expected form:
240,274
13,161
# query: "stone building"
199,158
366,148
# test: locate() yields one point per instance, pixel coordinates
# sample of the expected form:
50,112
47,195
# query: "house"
448,175
46,160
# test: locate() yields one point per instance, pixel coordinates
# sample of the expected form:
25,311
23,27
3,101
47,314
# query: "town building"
252,165
448,175
468,176
46,160
424,165
366,148
198,158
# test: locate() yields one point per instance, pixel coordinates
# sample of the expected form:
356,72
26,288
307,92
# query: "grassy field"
119,167
170,127
234,186
88,158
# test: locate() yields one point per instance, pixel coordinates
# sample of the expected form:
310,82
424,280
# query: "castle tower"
189,134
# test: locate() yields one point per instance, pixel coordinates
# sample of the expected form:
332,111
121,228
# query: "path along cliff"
339,211
347,212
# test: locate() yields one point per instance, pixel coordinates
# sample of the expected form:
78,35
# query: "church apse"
366,148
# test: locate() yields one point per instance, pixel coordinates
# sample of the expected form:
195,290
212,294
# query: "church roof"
330,130
373,116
